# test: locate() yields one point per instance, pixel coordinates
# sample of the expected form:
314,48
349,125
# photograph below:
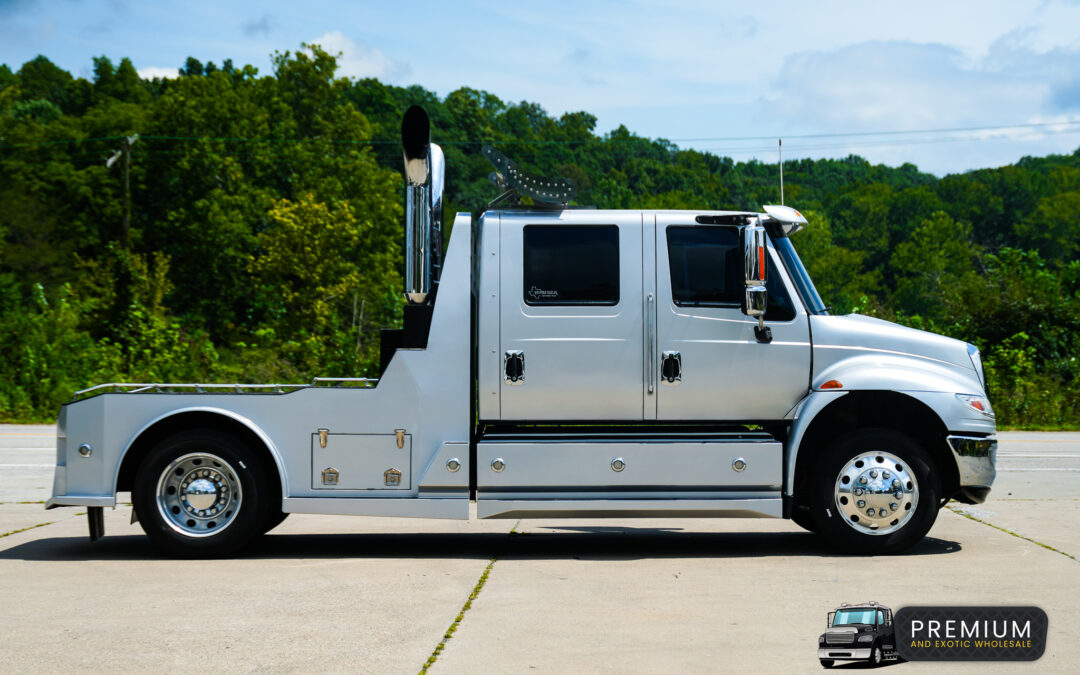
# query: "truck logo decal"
538,293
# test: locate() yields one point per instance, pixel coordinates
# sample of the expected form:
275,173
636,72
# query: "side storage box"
361,461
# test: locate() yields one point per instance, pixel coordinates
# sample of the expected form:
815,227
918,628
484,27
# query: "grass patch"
7,534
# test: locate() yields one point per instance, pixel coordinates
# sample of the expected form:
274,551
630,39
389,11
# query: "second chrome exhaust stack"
425,172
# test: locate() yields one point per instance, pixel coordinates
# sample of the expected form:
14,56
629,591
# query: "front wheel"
826,663
876,656
201,493
874,491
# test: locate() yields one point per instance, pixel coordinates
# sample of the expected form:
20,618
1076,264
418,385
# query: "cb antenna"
780,145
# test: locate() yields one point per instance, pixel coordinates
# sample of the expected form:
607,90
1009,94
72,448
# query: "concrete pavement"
327,593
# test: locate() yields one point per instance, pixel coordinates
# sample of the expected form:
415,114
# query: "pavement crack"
1015,534
26,528
464,608
458,619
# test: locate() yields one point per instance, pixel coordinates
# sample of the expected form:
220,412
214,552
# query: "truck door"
709,364
571,312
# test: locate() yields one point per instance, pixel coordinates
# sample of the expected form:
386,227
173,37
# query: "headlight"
979,404
821,639
866,638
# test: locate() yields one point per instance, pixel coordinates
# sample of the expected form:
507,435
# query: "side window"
706,266
571,265
880,618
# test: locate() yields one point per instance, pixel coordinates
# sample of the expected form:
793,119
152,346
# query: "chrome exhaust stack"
425,172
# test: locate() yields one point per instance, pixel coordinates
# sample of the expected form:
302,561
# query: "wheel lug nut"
885,475
873,473
898,494
870,512
861,503
882,512
858,491
862,480
893,505
895,483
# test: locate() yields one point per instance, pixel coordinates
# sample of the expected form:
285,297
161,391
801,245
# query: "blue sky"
721,76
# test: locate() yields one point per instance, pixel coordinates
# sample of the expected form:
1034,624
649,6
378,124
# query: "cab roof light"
832,384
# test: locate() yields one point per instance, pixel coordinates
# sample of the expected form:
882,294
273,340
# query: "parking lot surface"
342,594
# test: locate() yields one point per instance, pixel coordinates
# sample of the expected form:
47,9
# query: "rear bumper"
839,653
975,459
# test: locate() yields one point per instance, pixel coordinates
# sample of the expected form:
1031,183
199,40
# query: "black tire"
801,517
826,663
274,518
876,656
218,467
849,534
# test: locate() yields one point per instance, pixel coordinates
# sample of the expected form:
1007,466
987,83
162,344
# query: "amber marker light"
832,384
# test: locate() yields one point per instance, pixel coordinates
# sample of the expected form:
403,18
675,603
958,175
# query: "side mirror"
756,296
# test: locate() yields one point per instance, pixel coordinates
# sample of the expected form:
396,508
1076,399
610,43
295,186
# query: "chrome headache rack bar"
197,388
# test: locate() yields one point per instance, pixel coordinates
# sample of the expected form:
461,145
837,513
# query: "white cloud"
357,59
150,72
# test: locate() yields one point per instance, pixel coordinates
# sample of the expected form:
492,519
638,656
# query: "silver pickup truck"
558,361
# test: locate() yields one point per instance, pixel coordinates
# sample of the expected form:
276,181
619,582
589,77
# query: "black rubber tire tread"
826,663
803,519
254,485
828,465
274,517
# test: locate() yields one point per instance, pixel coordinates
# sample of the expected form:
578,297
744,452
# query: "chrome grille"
839,638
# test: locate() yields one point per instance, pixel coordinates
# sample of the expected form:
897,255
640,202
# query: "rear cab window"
571,265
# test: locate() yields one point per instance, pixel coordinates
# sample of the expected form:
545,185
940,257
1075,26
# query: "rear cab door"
571,316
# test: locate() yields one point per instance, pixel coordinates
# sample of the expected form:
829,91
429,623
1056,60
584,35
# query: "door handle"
650,346
671,368
514,366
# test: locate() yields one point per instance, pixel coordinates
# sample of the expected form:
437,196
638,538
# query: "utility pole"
125,153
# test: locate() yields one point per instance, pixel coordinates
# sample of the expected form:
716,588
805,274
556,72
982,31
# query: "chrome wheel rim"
876,492
198,494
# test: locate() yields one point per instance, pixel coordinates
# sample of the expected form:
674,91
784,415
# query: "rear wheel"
874,491
201,493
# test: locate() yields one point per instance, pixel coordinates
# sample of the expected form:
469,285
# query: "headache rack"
233,388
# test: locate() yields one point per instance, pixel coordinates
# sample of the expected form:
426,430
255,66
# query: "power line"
1052,127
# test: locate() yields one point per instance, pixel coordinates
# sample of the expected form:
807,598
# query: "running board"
770,507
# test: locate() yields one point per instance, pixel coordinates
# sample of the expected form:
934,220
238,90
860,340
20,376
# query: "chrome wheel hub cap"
198,494
876,493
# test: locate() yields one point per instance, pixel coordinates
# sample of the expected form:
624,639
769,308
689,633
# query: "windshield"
798,274
846,617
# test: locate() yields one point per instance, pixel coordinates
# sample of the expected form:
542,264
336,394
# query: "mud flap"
95,517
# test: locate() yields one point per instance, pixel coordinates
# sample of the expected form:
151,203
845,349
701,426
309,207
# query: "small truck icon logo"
859,632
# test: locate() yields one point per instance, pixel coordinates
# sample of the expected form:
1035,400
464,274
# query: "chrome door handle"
651,346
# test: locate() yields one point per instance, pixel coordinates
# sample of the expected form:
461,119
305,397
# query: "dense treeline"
258,237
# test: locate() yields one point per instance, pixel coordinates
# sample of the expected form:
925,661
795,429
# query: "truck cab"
559,361
860,632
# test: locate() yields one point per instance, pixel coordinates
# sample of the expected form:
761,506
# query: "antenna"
780,145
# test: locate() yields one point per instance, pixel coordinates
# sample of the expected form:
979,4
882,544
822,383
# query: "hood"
866,333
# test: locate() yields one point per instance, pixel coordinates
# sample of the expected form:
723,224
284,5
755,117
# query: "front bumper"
975,459
840,653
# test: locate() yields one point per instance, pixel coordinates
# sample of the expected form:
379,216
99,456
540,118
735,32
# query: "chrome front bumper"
839,653
975,459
